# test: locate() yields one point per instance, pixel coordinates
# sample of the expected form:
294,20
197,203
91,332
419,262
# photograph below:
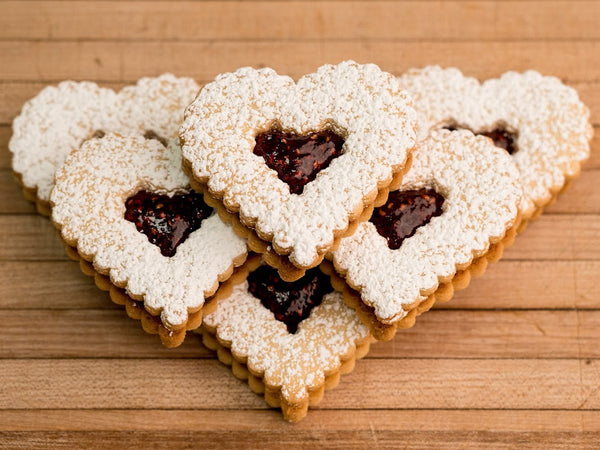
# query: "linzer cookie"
124,206
295,166
537,119
60,118
456,209
290,341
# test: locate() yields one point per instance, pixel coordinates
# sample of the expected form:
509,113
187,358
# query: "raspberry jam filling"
501,138
297,159
167,221
291,303
404,213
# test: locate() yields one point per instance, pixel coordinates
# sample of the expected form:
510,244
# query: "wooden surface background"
511,361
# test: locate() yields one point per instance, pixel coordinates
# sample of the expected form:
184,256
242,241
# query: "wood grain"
128,61
533,284
335,428
94,333
48,285
319,421
364,21
355,439
85,333
375,383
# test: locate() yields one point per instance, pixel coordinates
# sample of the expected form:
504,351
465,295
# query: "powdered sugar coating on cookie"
60,118
88,205
551,122
359,102
482,194
296,362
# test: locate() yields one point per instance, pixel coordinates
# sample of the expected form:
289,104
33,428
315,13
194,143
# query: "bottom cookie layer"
291,370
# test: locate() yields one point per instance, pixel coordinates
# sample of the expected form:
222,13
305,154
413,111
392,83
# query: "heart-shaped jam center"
501,138
167,221
404,212
291,303
298,159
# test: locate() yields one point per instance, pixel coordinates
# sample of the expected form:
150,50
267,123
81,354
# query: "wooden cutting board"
514,360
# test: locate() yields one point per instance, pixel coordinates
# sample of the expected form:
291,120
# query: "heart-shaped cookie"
243,120
457,204
291,370
60,118
109,203
543,122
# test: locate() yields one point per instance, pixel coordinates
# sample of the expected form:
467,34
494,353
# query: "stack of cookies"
363,199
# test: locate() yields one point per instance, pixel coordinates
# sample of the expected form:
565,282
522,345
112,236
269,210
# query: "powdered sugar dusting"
60,118
482,194
89,204
552,123
297,362
359,102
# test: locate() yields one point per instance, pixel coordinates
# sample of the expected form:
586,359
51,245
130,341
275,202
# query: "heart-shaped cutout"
405,212
166,221
298,159
545,119
500,137
89,208
481,196
358,102
60,118
291,303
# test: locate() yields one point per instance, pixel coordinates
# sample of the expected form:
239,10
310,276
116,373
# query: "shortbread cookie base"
287,269
42,206
539,209
385,331
151,323
292,412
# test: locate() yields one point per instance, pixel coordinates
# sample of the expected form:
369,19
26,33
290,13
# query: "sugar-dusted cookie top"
102,204
358,103
60,118
546,125
462,194
298,362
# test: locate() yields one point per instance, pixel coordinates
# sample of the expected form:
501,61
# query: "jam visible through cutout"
149,134
167,221
501,138
98,134
297,159
291,303
404,213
